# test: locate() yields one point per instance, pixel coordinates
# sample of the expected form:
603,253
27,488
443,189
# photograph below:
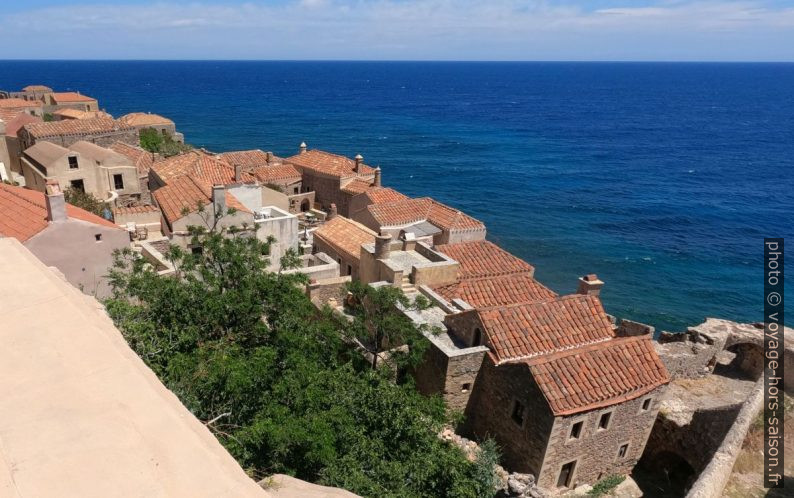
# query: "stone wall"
107,139
322,291
325,188
595,451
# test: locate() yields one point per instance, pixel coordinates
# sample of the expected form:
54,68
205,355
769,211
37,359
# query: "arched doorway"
305,205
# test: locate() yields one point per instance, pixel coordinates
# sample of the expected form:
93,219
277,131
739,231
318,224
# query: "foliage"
275,186
163,144
379,327
47,117
276,380
84,200
606,485
487,460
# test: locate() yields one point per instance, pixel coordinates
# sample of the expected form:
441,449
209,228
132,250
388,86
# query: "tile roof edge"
539,357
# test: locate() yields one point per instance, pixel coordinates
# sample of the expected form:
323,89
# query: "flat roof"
82,415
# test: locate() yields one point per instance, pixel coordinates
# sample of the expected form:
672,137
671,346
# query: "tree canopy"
277,380
164,144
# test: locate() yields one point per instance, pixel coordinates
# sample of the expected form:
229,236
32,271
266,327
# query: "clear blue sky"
714,30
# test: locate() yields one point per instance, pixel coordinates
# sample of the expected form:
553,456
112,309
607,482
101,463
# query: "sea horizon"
662,177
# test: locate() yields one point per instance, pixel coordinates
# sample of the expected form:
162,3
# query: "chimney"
269,157
238,173
377,176
382,243
359,161
332,212
590,285
56,203
219,198
303,148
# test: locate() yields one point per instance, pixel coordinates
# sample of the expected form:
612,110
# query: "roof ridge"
567,297
585,348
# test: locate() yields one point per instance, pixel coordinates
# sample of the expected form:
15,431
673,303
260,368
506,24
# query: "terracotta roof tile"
66,97
408,211
527,330
357,186
379,195
199,165
248,159
16,119
148,208
25,213
182,196
325,162
15,103
496,291
279,173
142,159
78,114
345,236
75,127
484,259
145,119
599,375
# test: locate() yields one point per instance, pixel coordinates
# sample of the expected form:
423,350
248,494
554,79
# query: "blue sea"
662,178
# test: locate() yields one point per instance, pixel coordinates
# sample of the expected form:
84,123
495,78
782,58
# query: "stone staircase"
407,287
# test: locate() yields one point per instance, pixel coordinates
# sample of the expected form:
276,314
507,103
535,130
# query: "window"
477,340
576,430
518,413
603,422
646,405
78,185
623,450
349,270
465,387
295,190
566,475
72,162
118,182
98,237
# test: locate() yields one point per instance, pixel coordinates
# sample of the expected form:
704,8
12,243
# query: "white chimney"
56,203
359,161
590,285
303,147
377,176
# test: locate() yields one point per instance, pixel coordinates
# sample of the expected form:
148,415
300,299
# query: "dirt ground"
747,476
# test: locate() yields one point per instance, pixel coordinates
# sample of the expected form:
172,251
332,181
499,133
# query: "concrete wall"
272,197
71,246
179,231
283,227
148,219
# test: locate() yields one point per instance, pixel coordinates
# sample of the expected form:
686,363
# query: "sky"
568,30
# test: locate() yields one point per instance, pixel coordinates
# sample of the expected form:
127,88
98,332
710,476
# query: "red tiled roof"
408,211
148,208
25,213
357,186
325,162
142,159
484,259
15,103
502,290
70,113
599,375
345,236
75,127
527,330
248,159
278,173
379,195
199,165
145,119
71,97
185,193
16,119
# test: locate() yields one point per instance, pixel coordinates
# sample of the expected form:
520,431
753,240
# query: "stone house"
373,195
341,239
33,93
33,108
71,100
425,218
69,113
101,131
568,398
78,243
328,174
101,172
143,161
143,120
10,151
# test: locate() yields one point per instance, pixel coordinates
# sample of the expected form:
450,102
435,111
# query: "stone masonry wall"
461,378
322,291
596,450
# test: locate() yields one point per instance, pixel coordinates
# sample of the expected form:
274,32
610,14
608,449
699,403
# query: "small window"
566,475
72,162
295,190
339,260
349,270
78,185
98,237
118,182
576,430
477,339
646,405
603,422
465,387
518,413
623,450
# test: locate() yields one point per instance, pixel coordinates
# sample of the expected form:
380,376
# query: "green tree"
163,144
276,379
84,200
